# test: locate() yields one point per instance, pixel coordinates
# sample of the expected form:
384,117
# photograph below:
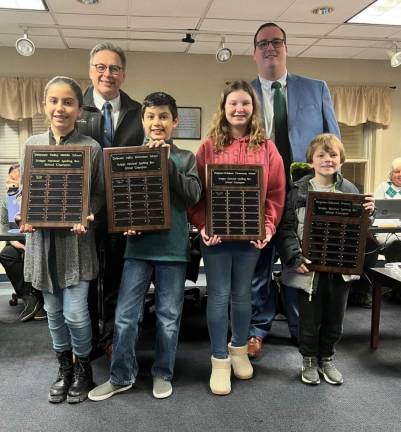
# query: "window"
358,142
10,148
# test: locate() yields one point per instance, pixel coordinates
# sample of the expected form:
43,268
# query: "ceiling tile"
101,34
158,22
364,31
331,52
306,29
251,10
301,11
24,19
156,46
176,8
90,43
120,7
301,41
229,38
346,43
212,47
230,26
92,20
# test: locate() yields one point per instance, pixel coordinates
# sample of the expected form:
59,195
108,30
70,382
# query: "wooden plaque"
235,204
137,188
335,232
56,186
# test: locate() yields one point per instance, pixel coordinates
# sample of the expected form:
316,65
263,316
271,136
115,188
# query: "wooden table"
380,277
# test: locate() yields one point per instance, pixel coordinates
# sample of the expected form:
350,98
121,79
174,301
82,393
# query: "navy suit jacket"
310,112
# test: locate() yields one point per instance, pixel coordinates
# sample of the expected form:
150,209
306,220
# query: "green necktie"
281,127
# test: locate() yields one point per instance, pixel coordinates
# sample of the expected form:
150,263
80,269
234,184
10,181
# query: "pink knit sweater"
238,153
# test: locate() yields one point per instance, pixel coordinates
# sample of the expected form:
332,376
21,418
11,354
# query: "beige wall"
196,80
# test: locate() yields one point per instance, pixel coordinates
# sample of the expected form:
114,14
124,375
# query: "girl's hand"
132,232
159,143
302,268
209,241
260,244
369,204
26,228
79,228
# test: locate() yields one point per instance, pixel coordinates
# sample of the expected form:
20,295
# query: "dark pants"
321,318
103,292
12,260
263,293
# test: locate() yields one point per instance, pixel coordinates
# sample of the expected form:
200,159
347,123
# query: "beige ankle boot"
240,362
220,379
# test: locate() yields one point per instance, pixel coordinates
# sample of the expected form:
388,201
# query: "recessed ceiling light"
88,2
383,12
323,10
23,4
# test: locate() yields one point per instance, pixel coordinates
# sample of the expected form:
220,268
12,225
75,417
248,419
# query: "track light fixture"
223,54
188,39
25,46
395,59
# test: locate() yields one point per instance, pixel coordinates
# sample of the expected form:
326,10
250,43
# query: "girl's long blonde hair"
220,131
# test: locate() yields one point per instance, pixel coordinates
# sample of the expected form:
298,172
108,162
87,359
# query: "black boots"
59,389
83,382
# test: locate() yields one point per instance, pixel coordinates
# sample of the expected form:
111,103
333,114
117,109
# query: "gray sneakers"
106,390
329,371
161,388
310,373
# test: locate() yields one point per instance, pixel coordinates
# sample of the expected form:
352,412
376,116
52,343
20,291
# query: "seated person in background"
390,244
12,255
13,178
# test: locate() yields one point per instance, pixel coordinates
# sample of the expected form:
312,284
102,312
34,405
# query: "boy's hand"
26,228
369,204
260,244
159,143
302,268
209,241
79,228
132,232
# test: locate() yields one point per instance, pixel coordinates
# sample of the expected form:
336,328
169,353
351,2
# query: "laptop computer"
388,211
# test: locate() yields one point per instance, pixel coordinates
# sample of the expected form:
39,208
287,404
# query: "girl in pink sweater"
236,137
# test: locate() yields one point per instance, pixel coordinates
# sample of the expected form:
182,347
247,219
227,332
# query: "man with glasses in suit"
295,110
114,120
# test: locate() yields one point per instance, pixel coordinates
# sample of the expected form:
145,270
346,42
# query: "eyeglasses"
101,68
275,43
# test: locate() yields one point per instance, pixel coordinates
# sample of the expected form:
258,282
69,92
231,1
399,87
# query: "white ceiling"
159,26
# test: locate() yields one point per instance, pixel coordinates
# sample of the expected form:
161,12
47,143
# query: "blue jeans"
169,279
229,268
68,319
264,298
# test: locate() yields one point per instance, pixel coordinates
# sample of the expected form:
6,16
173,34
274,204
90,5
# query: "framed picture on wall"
189,123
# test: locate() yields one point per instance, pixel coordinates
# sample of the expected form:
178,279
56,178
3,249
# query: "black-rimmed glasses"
101,68
275,43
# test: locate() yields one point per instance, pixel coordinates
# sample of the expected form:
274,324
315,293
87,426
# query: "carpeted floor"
274,400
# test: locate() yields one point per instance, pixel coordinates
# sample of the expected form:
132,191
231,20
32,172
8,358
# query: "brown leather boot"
255,346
